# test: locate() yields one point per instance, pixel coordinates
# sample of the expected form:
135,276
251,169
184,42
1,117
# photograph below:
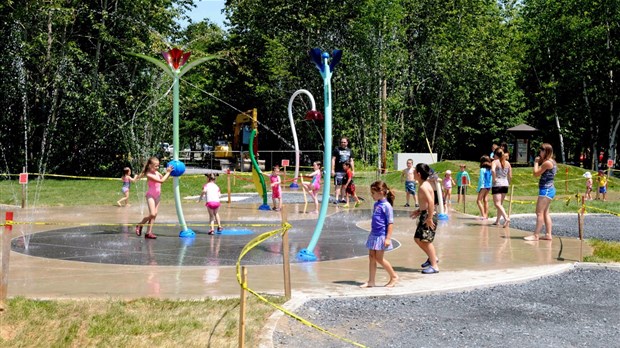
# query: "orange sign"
285,163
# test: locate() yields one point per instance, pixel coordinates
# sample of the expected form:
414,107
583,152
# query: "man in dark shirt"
342,154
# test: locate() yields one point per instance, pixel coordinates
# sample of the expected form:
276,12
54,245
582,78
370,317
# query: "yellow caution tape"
47,223
253,243
603,210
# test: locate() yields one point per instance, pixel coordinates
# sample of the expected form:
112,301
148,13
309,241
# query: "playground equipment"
257,173
231,154
310,115
321,62
176,68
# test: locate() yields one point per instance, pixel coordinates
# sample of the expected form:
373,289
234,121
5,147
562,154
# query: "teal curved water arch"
321,62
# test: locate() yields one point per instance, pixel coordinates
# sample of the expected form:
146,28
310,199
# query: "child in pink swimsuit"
448,182
212,192
153,194
276,190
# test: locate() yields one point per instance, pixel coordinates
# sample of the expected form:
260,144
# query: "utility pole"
383,128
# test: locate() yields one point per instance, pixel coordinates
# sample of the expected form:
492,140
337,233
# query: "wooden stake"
242,303
228,179
464,188
512,190
5,251
566,182
285,255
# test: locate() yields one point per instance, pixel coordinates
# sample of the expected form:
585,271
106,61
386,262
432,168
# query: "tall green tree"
573,58
80,104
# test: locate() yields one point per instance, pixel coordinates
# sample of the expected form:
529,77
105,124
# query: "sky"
208,9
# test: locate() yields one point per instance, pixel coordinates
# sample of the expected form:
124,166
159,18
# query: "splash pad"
118,245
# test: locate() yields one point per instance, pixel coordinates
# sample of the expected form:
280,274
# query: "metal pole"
24,190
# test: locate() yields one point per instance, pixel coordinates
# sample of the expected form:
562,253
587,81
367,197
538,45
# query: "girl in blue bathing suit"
127,179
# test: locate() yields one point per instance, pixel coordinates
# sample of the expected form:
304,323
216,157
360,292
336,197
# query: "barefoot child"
314,185
447,183
212,192
485,182
380,236
427,225
153,194
602,185
410,185
462,182
588,195
127,179
349,185
276,190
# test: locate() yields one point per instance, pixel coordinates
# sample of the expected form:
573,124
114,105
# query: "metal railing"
207,159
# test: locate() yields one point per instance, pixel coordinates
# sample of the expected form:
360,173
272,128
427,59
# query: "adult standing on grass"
343,153
153,194
502,175
545,167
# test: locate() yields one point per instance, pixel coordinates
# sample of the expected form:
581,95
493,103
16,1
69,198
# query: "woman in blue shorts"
544,167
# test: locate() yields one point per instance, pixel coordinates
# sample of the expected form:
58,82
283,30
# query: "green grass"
139,323
604,252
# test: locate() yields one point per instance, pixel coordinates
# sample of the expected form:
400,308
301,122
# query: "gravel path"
598,226
579,308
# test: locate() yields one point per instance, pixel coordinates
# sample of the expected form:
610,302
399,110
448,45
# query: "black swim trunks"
423,232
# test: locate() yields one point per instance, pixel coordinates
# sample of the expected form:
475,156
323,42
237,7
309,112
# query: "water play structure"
256,173
176,68
313,114
321,62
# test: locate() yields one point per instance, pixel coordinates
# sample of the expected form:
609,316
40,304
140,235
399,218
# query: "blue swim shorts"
602,189
410,187
548,192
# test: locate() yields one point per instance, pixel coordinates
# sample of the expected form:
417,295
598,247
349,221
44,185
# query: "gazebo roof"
522,128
